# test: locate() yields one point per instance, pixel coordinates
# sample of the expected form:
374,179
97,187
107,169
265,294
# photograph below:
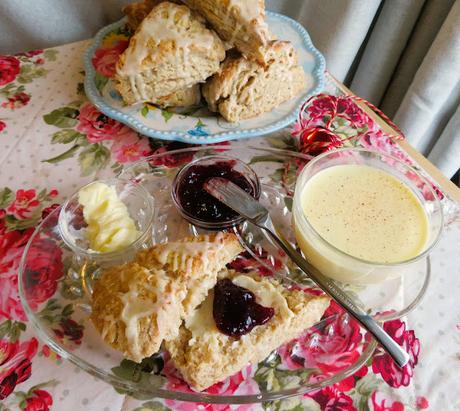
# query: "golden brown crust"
205,356
244,88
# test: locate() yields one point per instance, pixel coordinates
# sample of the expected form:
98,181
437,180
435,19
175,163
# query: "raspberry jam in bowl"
199,207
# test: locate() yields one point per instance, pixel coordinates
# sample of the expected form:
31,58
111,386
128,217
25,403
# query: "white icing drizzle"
185,253
152,31
135,308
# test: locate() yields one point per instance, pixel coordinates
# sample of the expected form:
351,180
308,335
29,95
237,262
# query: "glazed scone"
190,96
244,88
241,23
138,11
133,308
138,305
205,356
206,255
170,51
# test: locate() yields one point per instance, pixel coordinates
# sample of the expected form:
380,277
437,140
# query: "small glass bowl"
140,206
344,267
238,166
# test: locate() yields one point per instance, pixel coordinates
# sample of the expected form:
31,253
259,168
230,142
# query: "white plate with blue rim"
197,125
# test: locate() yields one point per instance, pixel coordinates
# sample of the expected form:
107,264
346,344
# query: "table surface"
43,160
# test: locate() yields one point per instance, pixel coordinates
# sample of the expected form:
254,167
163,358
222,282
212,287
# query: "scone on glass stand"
244,88
171,50
232,328
138,305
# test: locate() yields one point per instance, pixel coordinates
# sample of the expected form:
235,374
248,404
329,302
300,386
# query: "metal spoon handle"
400,356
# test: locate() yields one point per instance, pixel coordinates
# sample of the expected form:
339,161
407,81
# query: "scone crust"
206,359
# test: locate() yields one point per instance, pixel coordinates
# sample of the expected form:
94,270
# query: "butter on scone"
244,88
136,306
205,355
171,50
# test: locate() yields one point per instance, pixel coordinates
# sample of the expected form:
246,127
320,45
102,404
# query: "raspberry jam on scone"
235,309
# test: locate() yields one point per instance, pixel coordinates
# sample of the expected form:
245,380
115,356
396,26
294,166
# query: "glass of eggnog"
363,217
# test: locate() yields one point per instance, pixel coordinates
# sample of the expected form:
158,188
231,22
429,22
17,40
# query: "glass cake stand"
57,299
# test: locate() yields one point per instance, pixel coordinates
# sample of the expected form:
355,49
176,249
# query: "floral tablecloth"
52,141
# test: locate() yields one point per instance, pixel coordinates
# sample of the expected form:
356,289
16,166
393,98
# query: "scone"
170,51
205,255
241,23
138,305
190,96
204,355
136,12
244,88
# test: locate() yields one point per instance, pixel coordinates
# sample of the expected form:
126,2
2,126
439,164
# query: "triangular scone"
133,308
243,88
138,11
138,305
241,23
205,356
171,50
203,256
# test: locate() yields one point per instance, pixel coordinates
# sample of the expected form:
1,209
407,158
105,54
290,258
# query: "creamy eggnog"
364,212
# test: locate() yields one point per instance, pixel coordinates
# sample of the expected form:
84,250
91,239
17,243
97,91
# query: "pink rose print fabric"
12,243
40,400
20,211
15,363
98,127
384,365
327,354
105,59
381,402
240,383
9,69
129,147
15,73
